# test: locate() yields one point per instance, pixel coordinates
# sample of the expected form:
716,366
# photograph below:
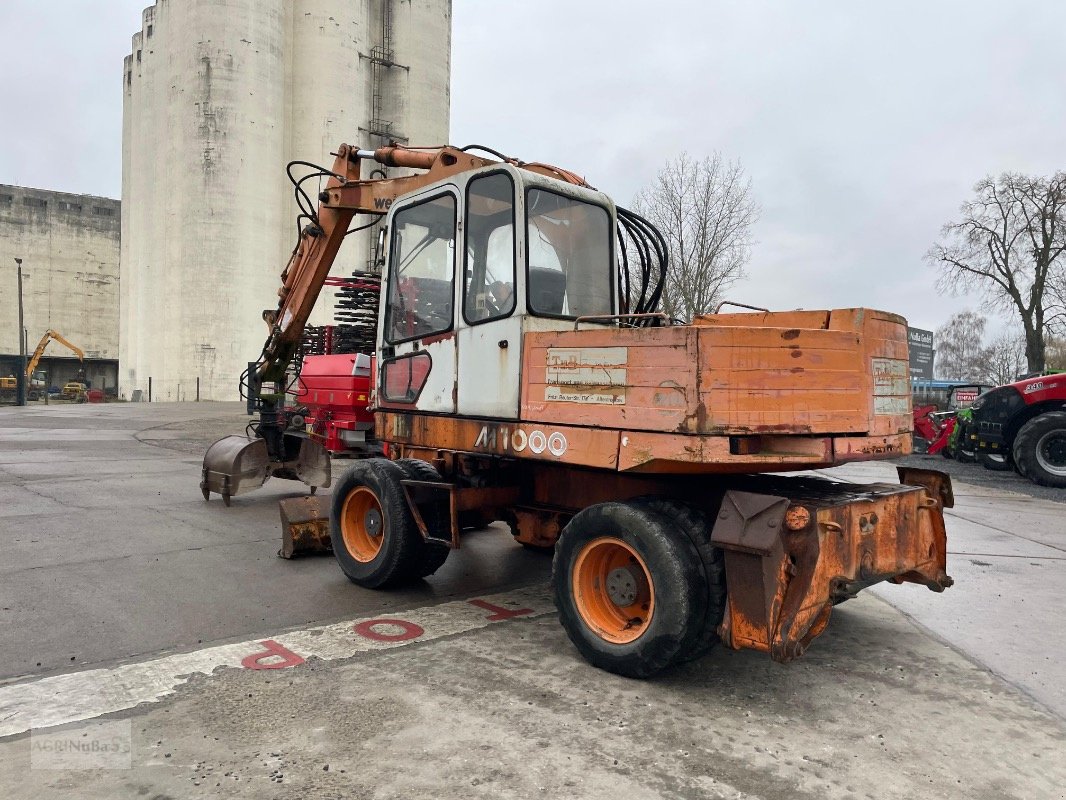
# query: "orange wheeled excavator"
524,372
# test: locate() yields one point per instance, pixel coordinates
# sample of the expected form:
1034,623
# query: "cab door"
490,325
417,351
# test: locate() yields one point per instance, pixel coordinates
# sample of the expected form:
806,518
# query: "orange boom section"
731,392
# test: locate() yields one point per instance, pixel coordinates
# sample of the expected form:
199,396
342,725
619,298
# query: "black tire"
430,556
541,549
1040,449
1019,468
694,524
680,589
996,462
398,549
965,448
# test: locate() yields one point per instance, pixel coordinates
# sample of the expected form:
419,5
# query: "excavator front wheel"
375,539
630,588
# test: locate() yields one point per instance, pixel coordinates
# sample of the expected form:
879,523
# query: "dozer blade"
234,465
304,527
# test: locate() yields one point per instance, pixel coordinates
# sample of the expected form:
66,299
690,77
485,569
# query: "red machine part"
335,390
933,427
925,426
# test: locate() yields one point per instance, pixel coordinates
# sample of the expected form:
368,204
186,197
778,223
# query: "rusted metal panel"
868,448
805,380
610,377
554,443
797,372
815,320
677,452
538,527
304,527
436,506
786,569
749,528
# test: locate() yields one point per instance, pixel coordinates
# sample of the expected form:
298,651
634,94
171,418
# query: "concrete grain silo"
218,96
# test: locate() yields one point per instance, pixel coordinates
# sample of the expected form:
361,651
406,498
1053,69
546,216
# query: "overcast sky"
862,125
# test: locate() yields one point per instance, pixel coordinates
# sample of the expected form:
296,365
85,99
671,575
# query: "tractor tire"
375,539
996,462
430,556
694,524
629,588
964,455
1040,449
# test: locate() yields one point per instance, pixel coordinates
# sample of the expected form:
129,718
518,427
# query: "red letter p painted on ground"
273,651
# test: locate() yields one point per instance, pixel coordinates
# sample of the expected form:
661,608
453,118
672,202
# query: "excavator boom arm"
344,196
49,335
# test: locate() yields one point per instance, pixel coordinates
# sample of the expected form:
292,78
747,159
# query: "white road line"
77,696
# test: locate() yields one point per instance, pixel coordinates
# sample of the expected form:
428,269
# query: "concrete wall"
218,96
69,246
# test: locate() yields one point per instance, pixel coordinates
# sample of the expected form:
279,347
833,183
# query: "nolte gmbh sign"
921,349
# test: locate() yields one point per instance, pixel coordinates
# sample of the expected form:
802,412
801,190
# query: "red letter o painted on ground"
410,630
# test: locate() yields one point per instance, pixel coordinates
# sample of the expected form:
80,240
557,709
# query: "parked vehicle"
74,390
539,386
1022,425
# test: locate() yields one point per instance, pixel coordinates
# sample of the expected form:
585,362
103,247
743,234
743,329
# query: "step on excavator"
524,373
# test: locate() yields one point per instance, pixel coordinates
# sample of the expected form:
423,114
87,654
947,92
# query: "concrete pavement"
113,558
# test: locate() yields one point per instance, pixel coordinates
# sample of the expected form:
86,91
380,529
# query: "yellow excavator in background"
34,388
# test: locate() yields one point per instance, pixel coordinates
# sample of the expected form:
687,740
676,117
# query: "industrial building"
69,246
219,95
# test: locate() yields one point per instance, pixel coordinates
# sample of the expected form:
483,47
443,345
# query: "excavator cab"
474,263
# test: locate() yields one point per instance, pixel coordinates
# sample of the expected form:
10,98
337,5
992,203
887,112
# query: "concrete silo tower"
218,96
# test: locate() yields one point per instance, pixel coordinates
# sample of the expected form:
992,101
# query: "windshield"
569,256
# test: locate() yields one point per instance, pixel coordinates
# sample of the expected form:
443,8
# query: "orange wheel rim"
613,590
362,524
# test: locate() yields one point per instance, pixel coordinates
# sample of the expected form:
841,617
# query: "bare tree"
1005,359
1056,353
1007,245
706,211
960,354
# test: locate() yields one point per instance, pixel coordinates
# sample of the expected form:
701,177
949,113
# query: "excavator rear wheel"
430,557
375,540
693,523
629,588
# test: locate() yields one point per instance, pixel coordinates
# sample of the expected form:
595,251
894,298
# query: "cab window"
568,252
490,259
421,270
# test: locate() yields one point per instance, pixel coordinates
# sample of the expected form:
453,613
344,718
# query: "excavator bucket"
304,527
234,465
237,464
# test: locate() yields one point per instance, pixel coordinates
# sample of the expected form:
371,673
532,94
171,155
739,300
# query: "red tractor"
1024,424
